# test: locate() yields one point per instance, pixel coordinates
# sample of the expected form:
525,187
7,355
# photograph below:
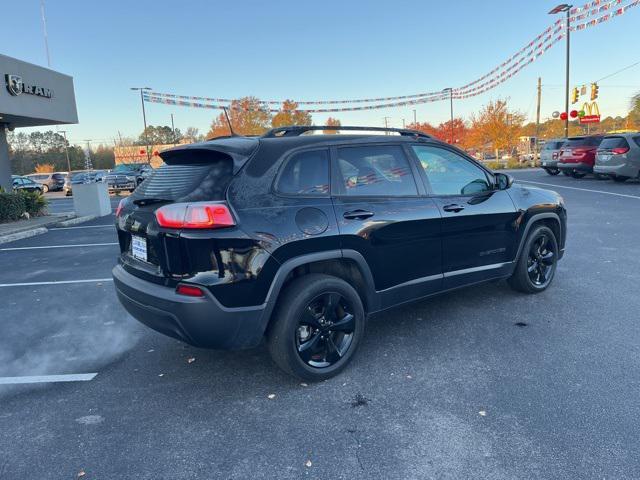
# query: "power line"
617,72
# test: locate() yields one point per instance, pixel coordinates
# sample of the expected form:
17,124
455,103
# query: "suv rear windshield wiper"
149,201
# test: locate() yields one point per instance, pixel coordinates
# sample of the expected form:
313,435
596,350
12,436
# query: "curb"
75,221
12,237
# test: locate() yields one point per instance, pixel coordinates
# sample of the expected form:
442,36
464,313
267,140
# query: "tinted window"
17,181
450,173
376,170
305,173
614,142
552,145
584,142
57,176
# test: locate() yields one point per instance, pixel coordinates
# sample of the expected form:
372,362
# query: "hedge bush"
13,205
34,203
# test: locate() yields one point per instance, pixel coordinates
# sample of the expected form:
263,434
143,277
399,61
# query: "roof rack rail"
297,130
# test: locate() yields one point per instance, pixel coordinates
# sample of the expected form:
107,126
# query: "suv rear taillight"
189,290
195,215
619,150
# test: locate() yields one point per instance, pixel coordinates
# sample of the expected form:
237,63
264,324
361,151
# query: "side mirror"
503,181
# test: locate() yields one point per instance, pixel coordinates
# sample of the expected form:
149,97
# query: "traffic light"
575,94
594,91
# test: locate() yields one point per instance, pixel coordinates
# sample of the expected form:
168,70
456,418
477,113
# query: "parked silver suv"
618,156
549,155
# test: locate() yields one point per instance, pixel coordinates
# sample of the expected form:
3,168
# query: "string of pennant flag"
500,74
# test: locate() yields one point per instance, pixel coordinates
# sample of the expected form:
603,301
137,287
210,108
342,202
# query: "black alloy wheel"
541,261
325,330
536,265
316,327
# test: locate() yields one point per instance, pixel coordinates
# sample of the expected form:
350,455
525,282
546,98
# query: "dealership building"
31,96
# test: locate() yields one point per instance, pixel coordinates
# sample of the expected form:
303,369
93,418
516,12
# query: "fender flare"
371,301
534,218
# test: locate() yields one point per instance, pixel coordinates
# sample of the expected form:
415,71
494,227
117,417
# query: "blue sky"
307,50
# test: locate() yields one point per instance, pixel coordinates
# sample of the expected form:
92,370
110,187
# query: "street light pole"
144,118
173,130
450,90
415,121
565,7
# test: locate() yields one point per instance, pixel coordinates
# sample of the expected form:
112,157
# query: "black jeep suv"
299,238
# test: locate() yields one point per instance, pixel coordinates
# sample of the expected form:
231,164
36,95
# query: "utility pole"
415,121
144,119
450,90
66,148
173,130
44,31
536,151
404,125
386,124
565,7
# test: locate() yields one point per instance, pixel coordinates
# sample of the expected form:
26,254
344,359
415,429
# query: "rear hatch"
549,152
612,151
190,174
579,150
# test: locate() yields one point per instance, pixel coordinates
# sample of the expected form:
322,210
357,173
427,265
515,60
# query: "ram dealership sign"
16,86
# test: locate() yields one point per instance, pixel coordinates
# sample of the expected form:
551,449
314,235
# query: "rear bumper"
578,167
623,170
199,321
549,164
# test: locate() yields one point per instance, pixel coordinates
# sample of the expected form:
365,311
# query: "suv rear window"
188,181
552,145
376,170
305,173
583,142
614,142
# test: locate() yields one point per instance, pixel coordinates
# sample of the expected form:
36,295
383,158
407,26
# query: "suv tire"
620,179
307,313
536,266
576,174
552,171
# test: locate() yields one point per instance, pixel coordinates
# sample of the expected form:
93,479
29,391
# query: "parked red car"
578,155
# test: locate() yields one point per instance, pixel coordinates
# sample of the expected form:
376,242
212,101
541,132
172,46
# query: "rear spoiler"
238,149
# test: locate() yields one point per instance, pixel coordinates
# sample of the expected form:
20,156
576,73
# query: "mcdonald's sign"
591,113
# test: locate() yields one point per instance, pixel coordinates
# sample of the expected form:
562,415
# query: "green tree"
160,135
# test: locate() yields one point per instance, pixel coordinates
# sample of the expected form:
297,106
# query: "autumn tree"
495,125
290,115
332,122
247,115
45,168
425,127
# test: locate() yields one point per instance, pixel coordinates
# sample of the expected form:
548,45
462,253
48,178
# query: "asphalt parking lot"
480,383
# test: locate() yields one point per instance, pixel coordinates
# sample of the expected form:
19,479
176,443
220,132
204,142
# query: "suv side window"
305,173
450,173
377,170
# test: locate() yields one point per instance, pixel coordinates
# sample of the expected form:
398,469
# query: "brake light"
189,291
119,208
195,215
579,151
619,150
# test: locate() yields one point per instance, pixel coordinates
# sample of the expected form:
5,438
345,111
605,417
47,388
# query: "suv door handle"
454,207
357,214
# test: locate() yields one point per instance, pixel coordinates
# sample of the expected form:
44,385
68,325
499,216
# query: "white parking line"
85,226
581,189
61,282
58,246
73,377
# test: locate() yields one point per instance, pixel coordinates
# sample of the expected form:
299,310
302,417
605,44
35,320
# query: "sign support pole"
5,166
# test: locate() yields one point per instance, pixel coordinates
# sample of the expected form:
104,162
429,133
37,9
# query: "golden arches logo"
591,109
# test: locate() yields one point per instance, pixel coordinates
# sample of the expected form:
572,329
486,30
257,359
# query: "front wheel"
552,171
45,188
316,327
536,265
